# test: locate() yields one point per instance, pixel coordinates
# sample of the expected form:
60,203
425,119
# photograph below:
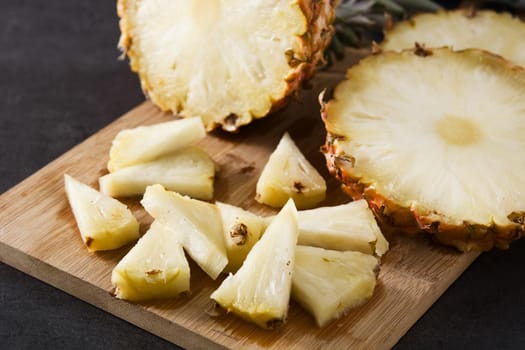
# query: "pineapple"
104,222
146,143
499,33
242,229
288,174
198,222
329,283
226,61
433,140
154,268
350,226
260,290
189,171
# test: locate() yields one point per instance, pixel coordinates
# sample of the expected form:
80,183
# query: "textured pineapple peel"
226,61
433,139
499,33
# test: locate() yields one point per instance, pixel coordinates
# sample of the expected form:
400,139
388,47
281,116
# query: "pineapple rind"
483,222
499,33
189,171
146,143
260,290
288,174
154,268
329,283
104,222
291,44
198,222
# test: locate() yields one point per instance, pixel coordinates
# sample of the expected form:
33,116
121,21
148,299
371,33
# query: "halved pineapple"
227,61
433,139
146,143
104,222
198,222
350,226
154,268
288,174
260,290
241,229
189,171
499,33
329,283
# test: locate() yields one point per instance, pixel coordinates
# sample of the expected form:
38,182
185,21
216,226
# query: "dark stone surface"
60,81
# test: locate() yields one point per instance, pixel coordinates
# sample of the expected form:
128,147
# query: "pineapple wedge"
434,139
329,283
260,290
288,174
189,171
228,61
198,222
154,268
104,222
242,229
350,226
146,143
499,33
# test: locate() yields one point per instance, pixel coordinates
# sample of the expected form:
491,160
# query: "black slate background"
60,82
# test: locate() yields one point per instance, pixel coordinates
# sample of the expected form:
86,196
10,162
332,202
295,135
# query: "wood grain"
38,235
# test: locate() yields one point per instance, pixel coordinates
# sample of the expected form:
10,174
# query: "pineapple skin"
318,15
394,217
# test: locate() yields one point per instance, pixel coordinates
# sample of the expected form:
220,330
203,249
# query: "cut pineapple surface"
189,171
198,223
154,268
350,226
288,174
242,229
329,283
226,61
433,139
104,222
146,143
499,33
260,290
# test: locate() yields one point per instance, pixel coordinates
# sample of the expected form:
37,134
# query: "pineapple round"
499,33
434,140
226,61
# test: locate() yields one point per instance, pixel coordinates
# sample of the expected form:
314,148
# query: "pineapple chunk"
350,226
242,229
189,171
260,290
499,33
228,61
146,143
288,174
154,268
198,222
329,283
104,222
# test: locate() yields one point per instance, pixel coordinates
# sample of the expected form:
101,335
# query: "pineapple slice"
242,229
227,61
189,171
260,290
199,223
329,283
288,174
499,33
154,268
433,140
104,222
146,143
350,226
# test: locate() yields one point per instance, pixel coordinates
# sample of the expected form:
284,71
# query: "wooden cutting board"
38,235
